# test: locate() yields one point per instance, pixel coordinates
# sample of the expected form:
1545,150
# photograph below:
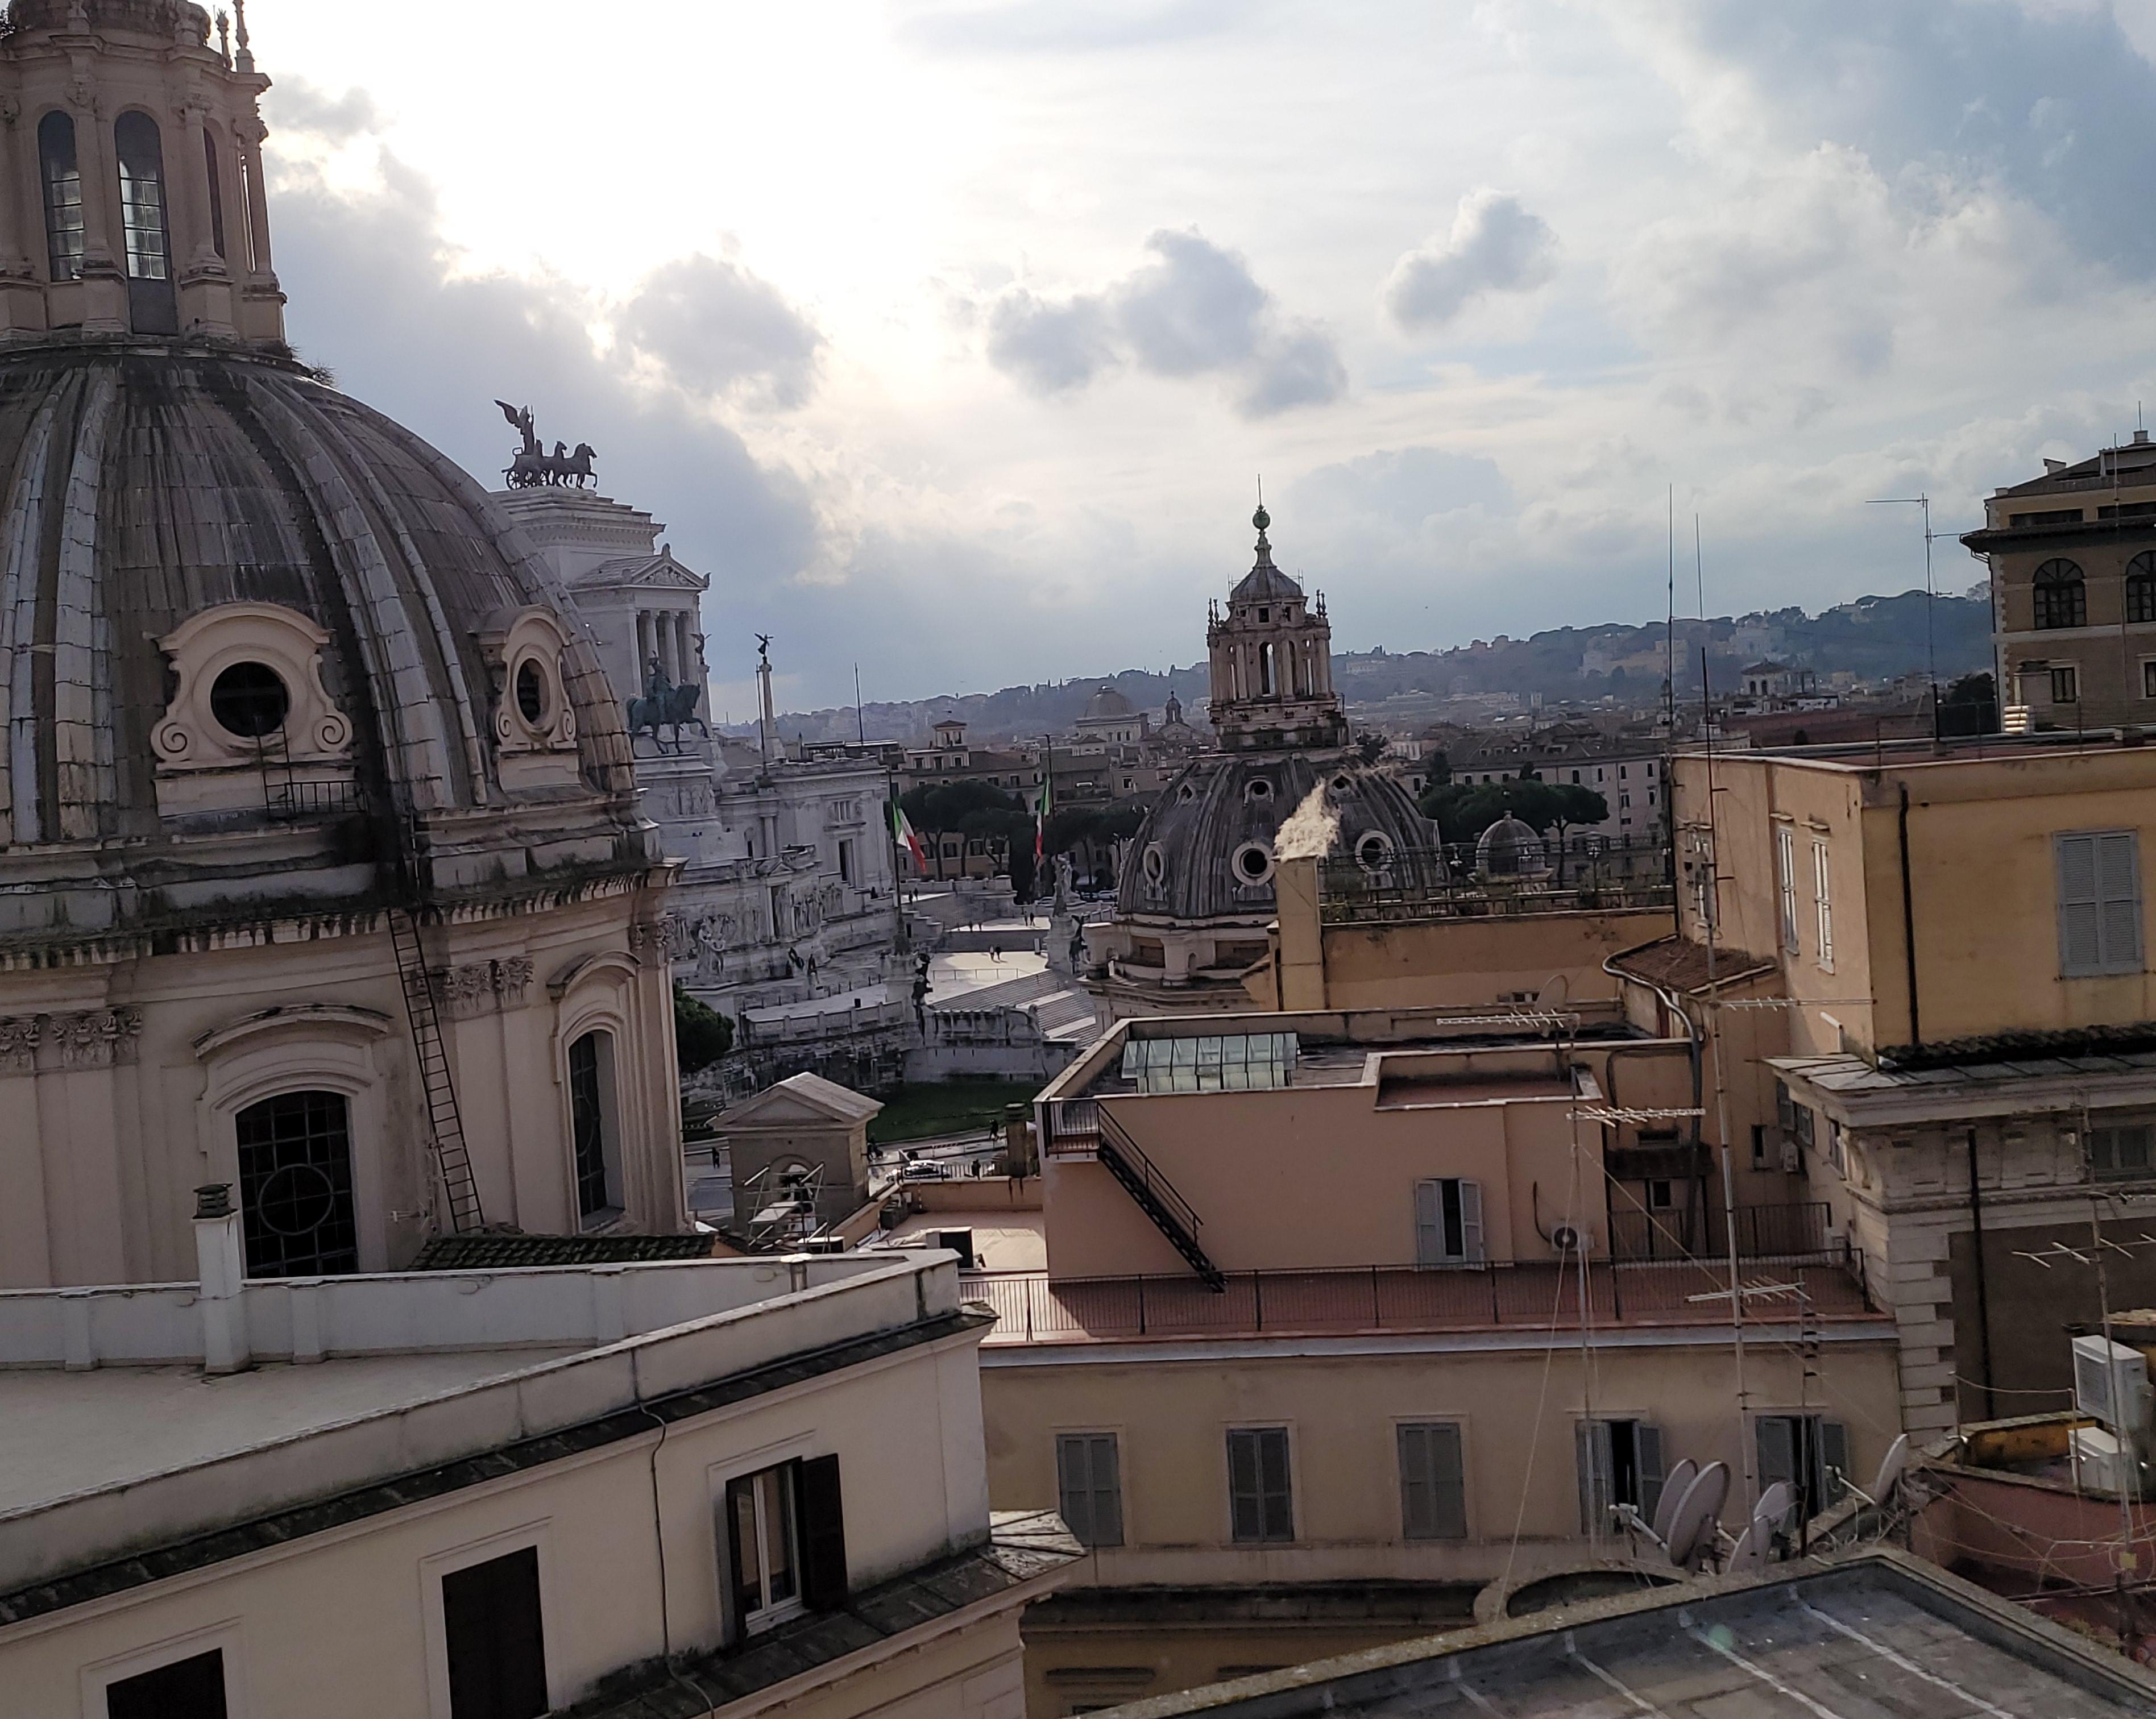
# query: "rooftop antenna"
1931,651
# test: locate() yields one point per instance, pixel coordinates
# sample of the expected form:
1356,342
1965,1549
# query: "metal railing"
1155,1183
1795,1230
1584,873
1543,1296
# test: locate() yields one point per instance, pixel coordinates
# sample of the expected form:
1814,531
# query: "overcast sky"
949,337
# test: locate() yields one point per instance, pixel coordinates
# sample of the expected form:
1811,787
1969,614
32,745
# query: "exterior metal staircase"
1172,1214
452,1161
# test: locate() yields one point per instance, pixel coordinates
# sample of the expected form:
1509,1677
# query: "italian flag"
1040,820
901,830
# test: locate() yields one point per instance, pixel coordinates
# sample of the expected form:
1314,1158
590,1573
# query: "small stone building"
802,1123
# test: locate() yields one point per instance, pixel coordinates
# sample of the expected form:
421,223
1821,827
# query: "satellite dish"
1697,1512
1892,1467
1772,1510
1749,1553
1673,1492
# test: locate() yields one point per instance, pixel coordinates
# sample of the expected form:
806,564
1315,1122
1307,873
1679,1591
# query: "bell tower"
1272,663
131,194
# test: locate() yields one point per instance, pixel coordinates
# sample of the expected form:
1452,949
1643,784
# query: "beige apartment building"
746,1485
1332,1329
1921,978
2072,556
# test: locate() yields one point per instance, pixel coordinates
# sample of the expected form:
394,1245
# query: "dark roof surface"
1682,965
501,1253
1021,1548
1882,1636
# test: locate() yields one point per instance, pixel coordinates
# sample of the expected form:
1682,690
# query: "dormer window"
250,699
63,182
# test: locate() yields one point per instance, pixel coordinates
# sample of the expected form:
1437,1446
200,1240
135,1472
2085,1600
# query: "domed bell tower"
1272,663
131,194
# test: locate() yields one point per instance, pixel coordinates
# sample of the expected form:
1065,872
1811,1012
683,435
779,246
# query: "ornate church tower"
1272,663
134,202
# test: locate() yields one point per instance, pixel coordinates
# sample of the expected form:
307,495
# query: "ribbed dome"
1510,848
1205,849
149,485
1108,702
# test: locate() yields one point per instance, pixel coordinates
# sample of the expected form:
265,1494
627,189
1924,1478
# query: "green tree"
701,1034
1462,810
978,811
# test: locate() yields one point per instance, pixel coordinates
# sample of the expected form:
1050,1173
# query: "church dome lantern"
1271,662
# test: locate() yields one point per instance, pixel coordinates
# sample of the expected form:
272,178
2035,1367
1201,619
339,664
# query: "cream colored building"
322,867
1307,1365
2072,556
758,1485
1935,1011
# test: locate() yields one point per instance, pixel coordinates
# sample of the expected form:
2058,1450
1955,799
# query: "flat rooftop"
1880,1636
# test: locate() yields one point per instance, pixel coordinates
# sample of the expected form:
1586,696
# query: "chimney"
221,1264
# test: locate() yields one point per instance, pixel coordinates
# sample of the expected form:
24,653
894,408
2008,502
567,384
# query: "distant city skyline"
951,338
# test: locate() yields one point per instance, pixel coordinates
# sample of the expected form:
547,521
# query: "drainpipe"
1909,921
1983,1286
221,1266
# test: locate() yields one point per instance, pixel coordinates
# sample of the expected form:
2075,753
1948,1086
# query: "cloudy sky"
950,336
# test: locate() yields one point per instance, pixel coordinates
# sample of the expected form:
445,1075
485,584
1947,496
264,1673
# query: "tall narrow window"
1448,1222
1433,1488
1785,869
1620,1462
762,1523
2141,588
591,1124
296,1211
191,1688
1261,1505
1822,904
152,308
213,166
495,1641
1265,670
63,182
2097,875
1090,1483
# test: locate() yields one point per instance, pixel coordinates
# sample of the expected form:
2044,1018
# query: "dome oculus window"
1258,789
249,699
532,691
1341,784
1155,863
1374,851
1253,865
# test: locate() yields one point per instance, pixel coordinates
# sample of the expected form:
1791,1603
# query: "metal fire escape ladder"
445,1127
1172,1214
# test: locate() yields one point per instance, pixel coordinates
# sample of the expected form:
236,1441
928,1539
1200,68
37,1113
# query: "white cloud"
1497,245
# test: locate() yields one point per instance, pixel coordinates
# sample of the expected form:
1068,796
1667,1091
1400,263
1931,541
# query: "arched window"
594,1135
2061,595
296,1211
63,182
151,302
1266,679
2141,586
212,165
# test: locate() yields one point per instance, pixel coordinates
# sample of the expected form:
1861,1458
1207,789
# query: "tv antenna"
1931,598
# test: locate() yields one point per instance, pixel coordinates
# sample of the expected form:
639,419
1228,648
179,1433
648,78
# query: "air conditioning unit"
2105,1463
2111,1385
1573,1240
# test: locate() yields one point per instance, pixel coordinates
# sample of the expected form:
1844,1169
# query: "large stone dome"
1204,852
182,517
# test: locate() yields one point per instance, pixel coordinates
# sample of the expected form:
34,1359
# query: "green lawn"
947,1108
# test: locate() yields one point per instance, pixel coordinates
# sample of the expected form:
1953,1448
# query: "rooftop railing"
1583,873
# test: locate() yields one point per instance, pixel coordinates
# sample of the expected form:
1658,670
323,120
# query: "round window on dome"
1258,788
532,691
1374,851
1155,863
1253,865
1341,784
250,699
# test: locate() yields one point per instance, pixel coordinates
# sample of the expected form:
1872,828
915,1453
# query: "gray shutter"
1777,1436
1430,1222
1107,1495
1418,1496
1647,1449
2081,940
1448,1482
1834,1457
1470,1221
2118,894
1279,1499
1074,1481
1591,1440
1247,1522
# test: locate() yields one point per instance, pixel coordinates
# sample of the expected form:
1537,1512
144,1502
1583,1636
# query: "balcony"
1384,1300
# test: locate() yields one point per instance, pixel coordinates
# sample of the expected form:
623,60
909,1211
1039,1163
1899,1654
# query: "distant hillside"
1874,638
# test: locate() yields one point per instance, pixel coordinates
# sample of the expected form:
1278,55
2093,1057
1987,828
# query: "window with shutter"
2097,876
1433,1482
1620,1462
1809,1452
192,1688
1822,900
1090,1481
1260,1505
495,1644
1448,1222
1785,867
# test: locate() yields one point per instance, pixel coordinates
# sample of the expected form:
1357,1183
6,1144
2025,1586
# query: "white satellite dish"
1696,1513
1770,1513
1749,1553
1892,1467
1673,1492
